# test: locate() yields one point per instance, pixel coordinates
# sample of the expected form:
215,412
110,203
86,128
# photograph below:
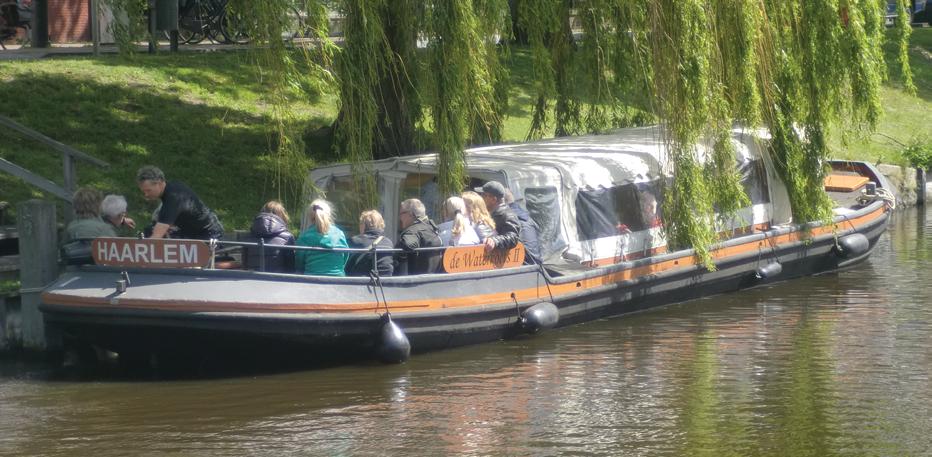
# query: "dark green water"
838,364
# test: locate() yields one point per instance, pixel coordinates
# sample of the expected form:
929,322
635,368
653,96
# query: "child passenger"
320,231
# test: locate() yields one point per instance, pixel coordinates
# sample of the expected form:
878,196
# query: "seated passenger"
417,232
271,226
506,222
87,224
113,211
457,230
649,208
479,215
371,231
320,231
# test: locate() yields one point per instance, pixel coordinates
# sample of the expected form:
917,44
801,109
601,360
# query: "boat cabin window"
543,204
754,181
618,210
424,187
347,201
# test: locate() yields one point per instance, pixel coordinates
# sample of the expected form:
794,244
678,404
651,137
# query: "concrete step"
9,240
9,268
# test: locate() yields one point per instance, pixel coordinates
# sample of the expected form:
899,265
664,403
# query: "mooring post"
38,256
920,187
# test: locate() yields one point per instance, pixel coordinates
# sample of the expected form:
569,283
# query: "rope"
881,194
377,283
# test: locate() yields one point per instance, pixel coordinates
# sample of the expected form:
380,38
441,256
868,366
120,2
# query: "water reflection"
837,364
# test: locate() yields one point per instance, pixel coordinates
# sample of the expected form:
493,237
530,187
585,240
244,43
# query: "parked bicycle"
14,15
200,19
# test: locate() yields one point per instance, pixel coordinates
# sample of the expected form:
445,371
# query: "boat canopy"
594,197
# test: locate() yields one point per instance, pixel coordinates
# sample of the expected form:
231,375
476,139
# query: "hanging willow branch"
276,64
702,67
463,85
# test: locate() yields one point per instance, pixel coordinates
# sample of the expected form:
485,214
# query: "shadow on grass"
216,150
228,72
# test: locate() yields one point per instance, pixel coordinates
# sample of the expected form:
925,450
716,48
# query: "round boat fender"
852,245
539,317
768,271
394,346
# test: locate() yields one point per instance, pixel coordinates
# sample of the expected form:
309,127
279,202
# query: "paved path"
17,52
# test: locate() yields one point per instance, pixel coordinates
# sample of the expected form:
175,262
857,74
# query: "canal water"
838,364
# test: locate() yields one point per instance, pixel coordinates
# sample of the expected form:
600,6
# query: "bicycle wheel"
185,36
233,28
195,21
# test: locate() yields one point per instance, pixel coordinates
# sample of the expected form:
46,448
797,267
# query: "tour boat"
597,201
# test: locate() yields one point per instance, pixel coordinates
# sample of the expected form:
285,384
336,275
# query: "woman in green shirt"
320,231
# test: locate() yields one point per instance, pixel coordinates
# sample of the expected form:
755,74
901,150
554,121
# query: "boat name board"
475,258
149,253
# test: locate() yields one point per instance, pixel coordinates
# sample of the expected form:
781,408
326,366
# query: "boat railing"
262,248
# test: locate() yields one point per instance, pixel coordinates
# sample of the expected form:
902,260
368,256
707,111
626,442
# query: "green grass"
907,119
202,119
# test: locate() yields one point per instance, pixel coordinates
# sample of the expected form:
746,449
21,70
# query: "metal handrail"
60,147
372,249
68,153
316,248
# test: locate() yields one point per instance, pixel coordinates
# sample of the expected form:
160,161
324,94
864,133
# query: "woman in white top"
457,230
477,212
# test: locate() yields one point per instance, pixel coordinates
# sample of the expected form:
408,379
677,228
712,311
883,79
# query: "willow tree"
795,67
698,67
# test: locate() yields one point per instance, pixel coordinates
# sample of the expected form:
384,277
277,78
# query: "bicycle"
15,15
200,19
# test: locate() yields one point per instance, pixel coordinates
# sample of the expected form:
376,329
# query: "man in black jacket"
418,231
507,224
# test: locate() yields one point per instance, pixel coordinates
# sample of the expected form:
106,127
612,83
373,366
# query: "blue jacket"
273,232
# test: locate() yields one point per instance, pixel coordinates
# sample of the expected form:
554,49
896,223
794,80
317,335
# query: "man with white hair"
418,231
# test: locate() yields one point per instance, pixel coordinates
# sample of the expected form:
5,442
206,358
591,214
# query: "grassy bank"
907,119
201,117
198,116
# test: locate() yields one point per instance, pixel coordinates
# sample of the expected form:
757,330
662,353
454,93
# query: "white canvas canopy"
555,172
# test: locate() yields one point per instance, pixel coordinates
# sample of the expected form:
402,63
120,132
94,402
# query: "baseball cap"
493,188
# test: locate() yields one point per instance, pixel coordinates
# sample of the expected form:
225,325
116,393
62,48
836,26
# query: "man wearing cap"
506,222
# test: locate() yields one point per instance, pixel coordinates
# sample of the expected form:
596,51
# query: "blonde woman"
320,231
457,230
479,215
371,231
